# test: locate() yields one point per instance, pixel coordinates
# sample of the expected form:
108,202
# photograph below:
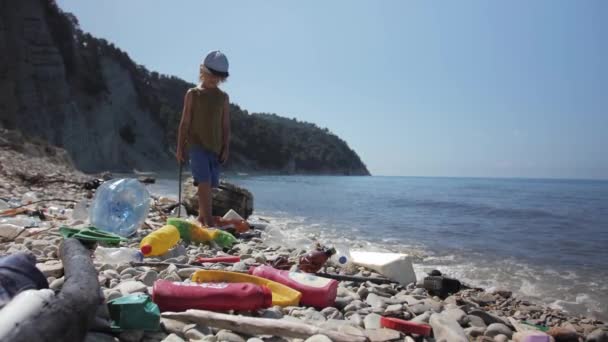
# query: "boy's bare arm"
184,126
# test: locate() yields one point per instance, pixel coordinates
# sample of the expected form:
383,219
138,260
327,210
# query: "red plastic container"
227,259
316,291
175,296
408,327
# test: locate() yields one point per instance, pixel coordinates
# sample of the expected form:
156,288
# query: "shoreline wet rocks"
469,315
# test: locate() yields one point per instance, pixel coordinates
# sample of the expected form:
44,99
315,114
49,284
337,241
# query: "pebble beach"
58,198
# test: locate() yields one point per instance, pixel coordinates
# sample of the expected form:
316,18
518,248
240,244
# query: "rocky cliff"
87,96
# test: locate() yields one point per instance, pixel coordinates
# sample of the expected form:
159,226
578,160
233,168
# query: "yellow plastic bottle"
159,241
192,232
281,295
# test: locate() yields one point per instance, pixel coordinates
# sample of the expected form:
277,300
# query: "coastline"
45,179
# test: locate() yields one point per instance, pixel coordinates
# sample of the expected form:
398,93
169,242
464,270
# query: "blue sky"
421,88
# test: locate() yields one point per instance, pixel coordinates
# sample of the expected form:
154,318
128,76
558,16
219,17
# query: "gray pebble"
498,328
185,273
173,276
57,284
274,313
374,301
501,338
173,338
131,336
106,267
475,321
457,315
240,266
149,277
598,335
393,310
354,306
372,321
419,292
131,286
342,302
228,336
318,338
111,274
111,295
173,326
193,334
332,313
356,319
381,335
363,292
132,271
447,329
473,332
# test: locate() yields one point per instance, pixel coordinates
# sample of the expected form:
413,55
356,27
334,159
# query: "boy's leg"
202,171
204,204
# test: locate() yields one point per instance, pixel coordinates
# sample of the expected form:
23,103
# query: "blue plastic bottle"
120,206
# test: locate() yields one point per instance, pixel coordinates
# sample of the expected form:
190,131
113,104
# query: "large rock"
227,196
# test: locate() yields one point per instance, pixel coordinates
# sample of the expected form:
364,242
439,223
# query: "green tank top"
206,123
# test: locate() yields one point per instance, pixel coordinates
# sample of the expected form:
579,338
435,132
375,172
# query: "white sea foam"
548,286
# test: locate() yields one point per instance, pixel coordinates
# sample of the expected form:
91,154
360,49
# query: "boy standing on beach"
204,131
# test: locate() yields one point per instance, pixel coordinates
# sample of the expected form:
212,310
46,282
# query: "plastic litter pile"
167,270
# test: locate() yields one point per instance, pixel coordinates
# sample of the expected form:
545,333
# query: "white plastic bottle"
342,258
115,256
24,305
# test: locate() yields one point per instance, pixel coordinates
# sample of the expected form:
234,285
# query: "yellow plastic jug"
159,241
192,232
281,295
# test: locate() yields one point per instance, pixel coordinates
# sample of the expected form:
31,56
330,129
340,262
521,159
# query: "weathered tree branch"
259,326
69,314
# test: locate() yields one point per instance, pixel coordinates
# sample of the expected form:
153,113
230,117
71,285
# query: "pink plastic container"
316,291
175,296
537,338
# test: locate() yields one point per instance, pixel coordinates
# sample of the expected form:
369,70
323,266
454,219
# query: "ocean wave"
476,209
566,290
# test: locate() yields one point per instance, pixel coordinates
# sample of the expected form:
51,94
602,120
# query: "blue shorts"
205,166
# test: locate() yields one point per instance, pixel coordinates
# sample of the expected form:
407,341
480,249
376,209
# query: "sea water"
545,240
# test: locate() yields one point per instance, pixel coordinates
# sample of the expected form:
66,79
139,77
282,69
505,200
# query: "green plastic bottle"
225,239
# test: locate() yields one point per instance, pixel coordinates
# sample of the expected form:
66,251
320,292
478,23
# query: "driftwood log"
259,326
356,279
70,313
